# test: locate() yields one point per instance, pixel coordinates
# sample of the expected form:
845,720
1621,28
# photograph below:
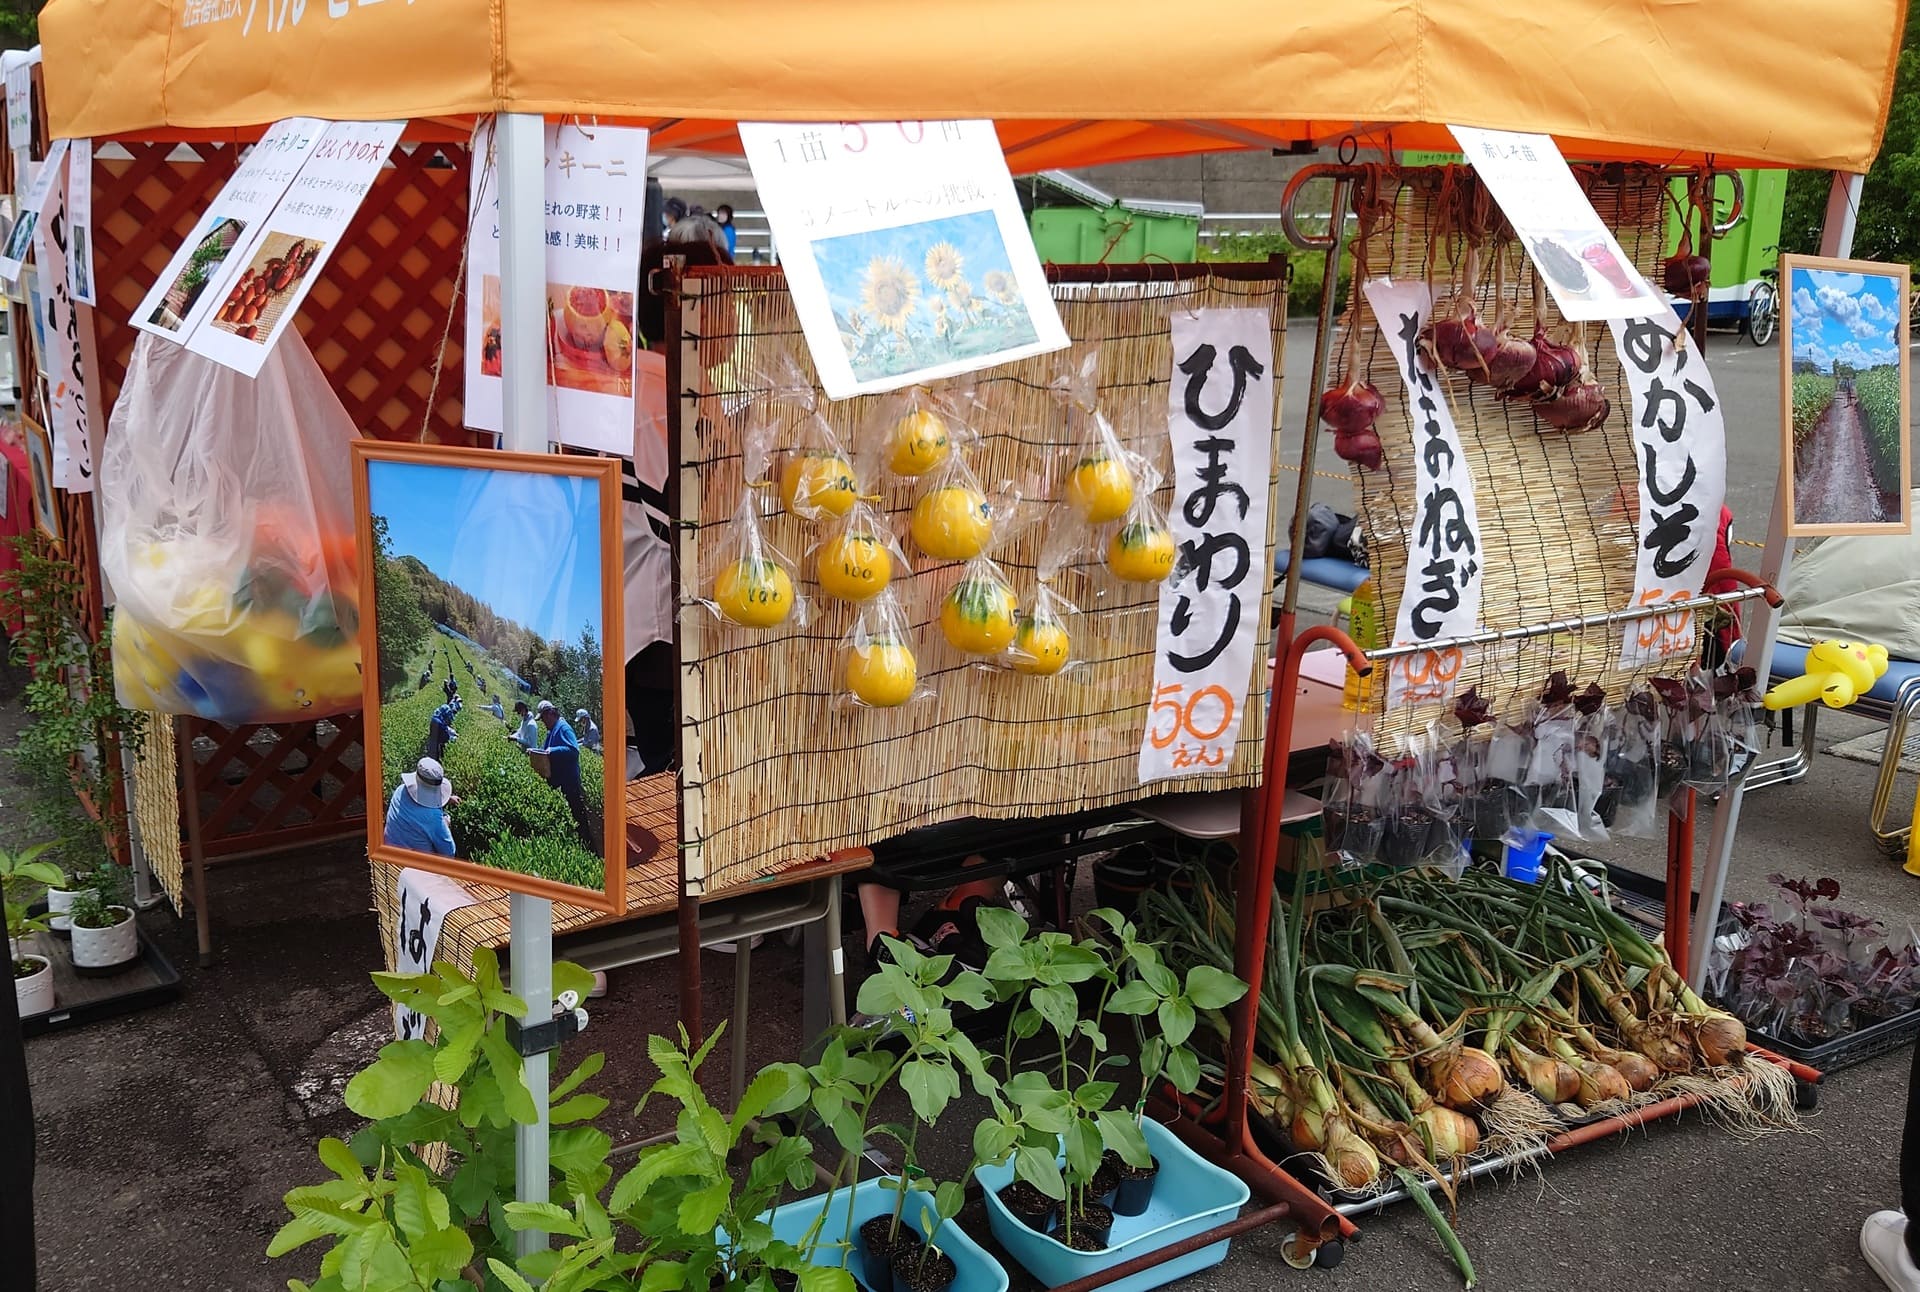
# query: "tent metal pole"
519,145
1836,240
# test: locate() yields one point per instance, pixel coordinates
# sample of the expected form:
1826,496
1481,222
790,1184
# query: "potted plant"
105,937
60,894
32,974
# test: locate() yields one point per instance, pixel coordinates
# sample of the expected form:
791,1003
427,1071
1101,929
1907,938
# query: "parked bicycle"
1763,304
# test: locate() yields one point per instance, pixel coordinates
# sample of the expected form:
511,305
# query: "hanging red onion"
1554,368
1580,407
1462,344
1360,447
1353,405
1686,275
1510,362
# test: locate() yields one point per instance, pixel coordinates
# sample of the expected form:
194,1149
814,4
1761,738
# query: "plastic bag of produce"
1552,784
916,430
1737,704
1043,644
1710,740
1102,477
1355,809
859,556
1629,803
879,669
226,534
748,582
979,616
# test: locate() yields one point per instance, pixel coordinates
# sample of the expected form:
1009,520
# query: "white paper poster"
904,247
1583,265
32,207
194,281
426,900
18,64
80,216
1220,416
1441,597
1680,447
294,244
68,341
596,198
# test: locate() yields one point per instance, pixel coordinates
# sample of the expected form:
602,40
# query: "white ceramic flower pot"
106,948
59,902
35,992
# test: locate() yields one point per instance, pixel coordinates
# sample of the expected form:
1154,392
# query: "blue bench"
1324,571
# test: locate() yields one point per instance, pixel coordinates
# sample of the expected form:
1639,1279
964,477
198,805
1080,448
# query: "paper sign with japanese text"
80,214
904,247
596,197
1220,417
1582,263
295,242
20,241
426,899
1680,448
1441,597
18,64
69,347
195,279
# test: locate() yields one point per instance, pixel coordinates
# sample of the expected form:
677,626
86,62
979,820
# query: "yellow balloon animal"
1837,673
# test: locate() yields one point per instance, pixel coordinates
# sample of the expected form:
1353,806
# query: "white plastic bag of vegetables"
226,533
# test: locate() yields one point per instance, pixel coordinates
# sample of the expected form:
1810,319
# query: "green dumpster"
1115,235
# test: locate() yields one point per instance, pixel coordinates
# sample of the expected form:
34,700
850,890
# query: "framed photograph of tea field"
1845,390
490,638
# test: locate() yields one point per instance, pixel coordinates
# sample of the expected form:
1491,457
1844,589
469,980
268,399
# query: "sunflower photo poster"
904,247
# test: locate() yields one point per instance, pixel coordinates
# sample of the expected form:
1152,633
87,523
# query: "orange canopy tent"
1803,83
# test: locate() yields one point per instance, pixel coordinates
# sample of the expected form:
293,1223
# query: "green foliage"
403,625
65,752
552,858
1888,224
397,1221
1877,392
1811,395
98,894
1307,270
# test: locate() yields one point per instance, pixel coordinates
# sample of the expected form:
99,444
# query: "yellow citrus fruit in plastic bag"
882,673
854,567
1140,553
952,523
753,593
813,483
1100,489
917,444
1040,646
977,616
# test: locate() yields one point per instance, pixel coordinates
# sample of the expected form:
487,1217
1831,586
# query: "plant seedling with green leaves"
402,1219
20,873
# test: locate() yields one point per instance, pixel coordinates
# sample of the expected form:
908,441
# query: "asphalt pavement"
167,1137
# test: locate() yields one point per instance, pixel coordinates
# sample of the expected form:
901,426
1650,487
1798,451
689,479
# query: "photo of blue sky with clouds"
1847,318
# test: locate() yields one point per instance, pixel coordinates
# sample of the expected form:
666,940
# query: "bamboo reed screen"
776,767
156,807
1556,509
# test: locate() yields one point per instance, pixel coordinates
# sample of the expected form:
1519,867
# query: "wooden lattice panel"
280,784
1555,509
778,767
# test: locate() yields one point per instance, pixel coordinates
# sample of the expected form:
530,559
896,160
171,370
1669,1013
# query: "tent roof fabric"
1802,83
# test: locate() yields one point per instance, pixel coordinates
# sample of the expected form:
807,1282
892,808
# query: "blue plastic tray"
975,1270
1190,1195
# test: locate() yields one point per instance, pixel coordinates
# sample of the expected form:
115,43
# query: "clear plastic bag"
915,431
1102,476
1738,702
1358,800
748,581
859,556
1591,734
879,669
1552,782
1043,643
1629,803
952,519
980,613
227,537
1709,741
1140,549
1505,801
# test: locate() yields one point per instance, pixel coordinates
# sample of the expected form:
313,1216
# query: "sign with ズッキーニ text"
1440,600
1680,448
1220,416
905,249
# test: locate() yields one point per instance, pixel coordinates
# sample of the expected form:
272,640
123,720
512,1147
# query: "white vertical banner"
1441,597
196,277
596,199
80,277
294,244
1680,448
905,247
1220,417
17,66
69,346
426,899
21,239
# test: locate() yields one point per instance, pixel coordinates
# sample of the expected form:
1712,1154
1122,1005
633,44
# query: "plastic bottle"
1363,625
